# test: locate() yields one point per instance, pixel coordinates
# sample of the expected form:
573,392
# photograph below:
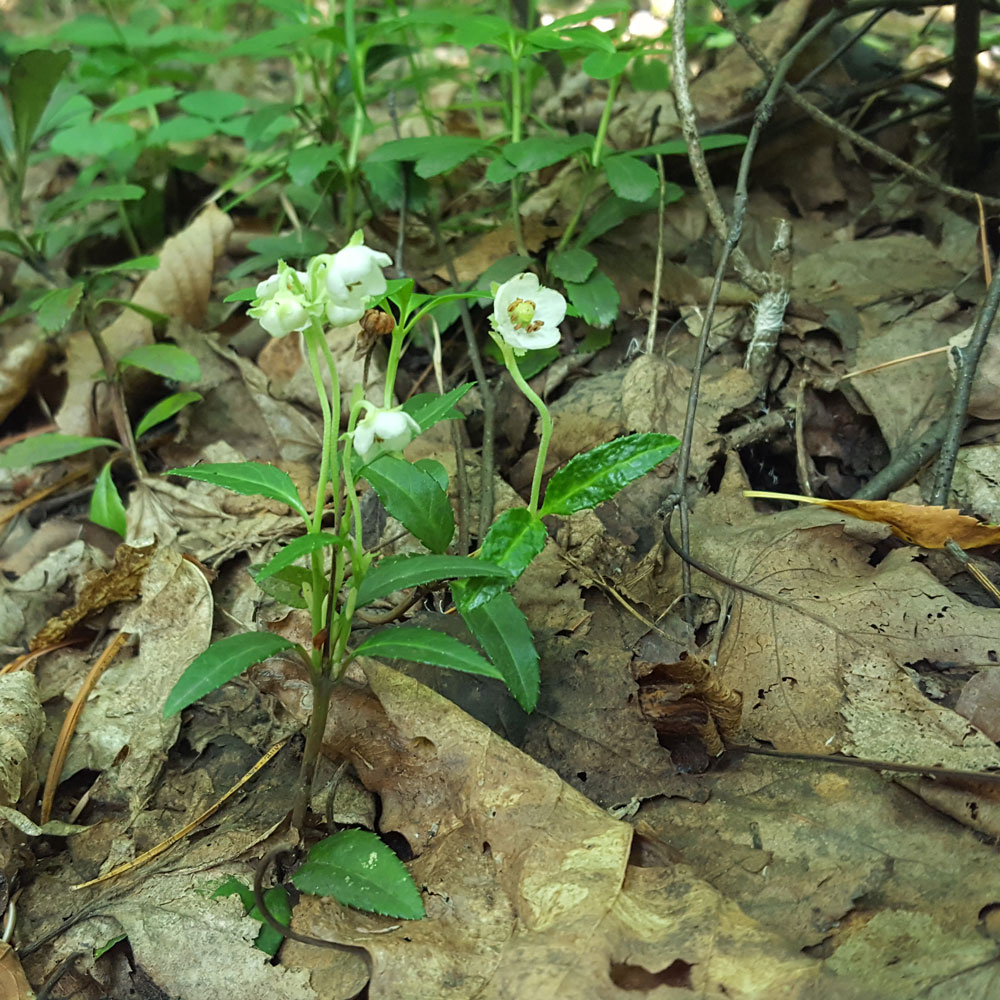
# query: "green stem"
392,365
602,128
589,179
516,100
545,434
323,685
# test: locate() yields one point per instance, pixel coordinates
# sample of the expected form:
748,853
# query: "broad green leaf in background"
33,77
50,448
163,359
213,104
358,870
605,65
630,178
430,154
247,479
572,265
106,507
427,408
501,629
543,151
595,476
414,499
650,73
165,409
513,541
425,645
219,664
596,299
289,586
96,138
55,308
305,165
402,572
295,550
146,98
613,211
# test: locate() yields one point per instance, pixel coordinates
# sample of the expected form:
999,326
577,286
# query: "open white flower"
355,273
281,305
383,431
526,315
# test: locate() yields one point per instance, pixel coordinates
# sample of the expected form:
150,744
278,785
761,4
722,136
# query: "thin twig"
654,312
905,463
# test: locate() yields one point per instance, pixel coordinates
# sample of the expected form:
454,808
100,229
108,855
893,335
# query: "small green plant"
340,577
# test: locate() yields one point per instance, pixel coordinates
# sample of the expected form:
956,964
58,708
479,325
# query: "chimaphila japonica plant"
339,576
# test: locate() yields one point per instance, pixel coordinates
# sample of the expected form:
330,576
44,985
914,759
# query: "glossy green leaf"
295,550
572,265
219,664
502,630
278,904
33,77
435,470
167,360
106,507
247,479
424,645
427,408
513,541
358,870
165,409
596,299
414,499
50,448
595,476
402,572
630,178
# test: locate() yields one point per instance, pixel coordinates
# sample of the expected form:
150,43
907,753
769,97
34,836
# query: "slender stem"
589,180
602,127
516,119
391,366
545,434
323,685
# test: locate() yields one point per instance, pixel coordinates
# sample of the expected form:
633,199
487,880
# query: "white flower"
355,273
281,304
383,430
526,315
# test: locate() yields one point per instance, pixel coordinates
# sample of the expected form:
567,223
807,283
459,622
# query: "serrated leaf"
55,308
288,586
106,507
513,541
414,499
295,550
543,151
248,479
402,572
596,299
50,448
502,630
595,476
33,77
358,870
427,408
630,178
165,409
572,265
219,664
424,645
166,360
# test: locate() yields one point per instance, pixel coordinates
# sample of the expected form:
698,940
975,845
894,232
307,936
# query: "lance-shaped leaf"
414,499
427,408
400,572
513,541
106,507
50,448
294,551
167,360
33,77
502,630
247,479
358,870
165,409
595,476
219,664
424,645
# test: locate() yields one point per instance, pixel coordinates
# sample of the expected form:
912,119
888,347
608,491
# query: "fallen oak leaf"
928,527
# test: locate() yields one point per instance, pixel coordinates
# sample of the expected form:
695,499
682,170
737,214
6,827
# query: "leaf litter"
749,877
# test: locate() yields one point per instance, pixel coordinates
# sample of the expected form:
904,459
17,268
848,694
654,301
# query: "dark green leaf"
165,409
614,210
435,470
596,299
501,629
248,479
650,73
358,870
424,645
109,944
57,306
278,904
572,265
106,507
414,499
49,448
295,550
431,154
427,408
678,147
513,541
306,164
542,151
401,572
631,178
163,359
233,886
500,170
289,586
33,77
595,476
219,664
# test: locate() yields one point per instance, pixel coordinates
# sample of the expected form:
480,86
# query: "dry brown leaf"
928,527
13,982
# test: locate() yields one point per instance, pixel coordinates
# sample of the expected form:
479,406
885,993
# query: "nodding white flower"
526,315
281,305
383,431
355,273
